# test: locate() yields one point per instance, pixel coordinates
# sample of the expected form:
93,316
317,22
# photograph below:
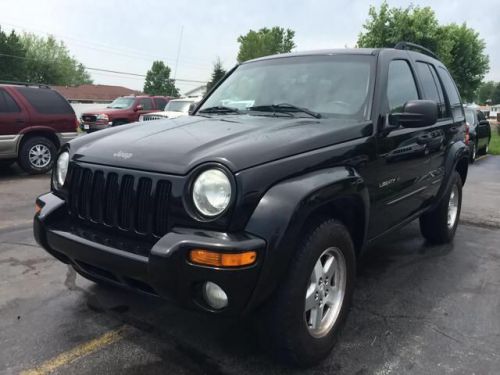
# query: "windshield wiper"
219,109
284,107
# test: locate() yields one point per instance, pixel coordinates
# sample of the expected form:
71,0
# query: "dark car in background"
34,122
479,132
122,110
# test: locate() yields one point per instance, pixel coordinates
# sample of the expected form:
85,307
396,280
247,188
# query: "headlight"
61,169
212,192
102,116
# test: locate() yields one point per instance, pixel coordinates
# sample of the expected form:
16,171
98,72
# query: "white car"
174,108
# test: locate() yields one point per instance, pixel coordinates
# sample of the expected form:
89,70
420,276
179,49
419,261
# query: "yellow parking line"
77,352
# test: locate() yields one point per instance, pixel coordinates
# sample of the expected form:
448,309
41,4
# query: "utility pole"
178,53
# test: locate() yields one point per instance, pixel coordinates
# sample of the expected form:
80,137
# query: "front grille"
116,199
89,118
153,117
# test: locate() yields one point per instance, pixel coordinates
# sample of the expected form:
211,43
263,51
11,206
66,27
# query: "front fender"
283,211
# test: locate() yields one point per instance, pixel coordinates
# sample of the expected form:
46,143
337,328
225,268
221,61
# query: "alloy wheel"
39,156
325,293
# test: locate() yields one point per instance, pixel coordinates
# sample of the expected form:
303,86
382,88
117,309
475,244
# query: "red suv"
121,111
34,122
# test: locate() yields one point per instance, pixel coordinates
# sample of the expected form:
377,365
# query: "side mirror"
416,114
192,108
138,107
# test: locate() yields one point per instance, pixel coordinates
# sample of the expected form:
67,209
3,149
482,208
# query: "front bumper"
165,272
95,126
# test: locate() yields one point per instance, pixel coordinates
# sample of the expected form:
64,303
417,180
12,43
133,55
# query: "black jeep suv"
264,198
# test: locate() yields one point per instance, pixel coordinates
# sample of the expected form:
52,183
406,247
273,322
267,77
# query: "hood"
175,146
107,111
169,114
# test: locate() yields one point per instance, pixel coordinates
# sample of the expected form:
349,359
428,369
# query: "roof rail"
27,84
409,45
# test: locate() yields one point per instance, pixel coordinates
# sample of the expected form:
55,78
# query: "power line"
108,70
109,49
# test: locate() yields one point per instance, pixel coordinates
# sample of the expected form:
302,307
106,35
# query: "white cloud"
129,35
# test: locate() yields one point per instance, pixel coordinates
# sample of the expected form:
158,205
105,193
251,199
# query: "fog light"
214,296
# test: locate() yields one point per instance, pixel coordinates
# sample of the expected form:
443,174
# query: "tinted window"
431,87
146,103
7,104
401,85
46,101
452,92
335,86
160,103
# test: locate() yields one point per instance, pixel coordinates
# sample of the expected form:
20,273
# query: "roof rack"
409,45
27,84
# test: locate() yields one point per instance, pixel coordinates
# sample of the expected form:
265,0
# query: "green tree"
217,74
265,42
459,47
158,81
485,92
49,61
12,57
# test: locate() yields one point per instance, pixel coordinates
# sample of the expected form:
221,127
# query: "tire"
119,122
37,155
437,226
283,327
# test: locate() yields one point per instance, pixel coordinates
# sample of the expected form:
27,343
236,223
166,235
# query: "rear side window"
453,96
7,103
401,85
160,103
146,103
45,101
432,87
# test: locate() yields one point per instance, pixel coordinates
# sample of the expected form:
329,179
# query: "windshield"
178,106
121,103
333,86
469,116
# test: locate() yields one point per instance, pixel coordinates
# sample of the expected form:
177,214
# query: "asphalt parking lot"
417,309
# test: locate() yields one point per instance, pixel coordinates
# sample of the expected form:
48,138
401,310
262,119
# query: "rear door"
12,120
439,134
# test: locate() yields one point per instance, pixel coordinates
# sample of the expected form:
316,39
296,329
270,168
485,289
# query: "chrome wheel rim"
325,292
474,151
453,207
39,156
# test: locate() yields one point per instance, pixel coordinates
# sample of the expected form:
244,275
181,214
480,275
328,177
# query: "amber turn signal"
38,208
214,259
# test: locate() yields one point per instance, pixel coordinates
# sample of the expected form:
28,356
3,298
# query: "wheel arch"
51,135
296,206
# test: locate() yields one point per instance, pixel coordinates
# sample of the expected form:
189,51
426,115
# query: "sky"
189,35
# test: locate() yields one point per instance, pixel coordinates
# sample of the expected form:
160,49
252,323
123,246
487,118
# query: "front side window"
160,103
146,103
121,103
333,86
7,104
401,86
